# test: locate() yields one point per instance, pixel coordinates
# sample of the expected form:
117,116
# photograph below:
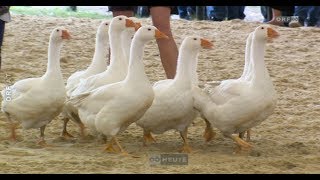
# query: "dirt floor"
287,142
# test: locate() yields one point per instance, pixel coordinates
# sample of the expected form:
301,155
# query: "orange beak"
272,33
65,35
206,44
159,34
137,26
130,23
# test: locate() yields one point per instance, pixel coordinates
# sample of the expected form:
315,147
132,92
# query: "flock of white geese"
107,99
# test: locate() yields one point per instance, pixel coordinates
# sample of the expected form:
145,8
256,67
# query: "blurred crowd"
291,16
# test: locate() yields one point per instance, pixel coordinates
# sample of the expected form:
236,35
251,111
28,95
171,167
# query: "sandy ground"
287,142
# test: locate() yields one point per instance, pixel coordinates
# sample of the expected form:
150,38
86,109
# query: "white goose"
172,107
127,36
229,86
251,102
118,67
36,101
115,72
246,70
113,107
98,65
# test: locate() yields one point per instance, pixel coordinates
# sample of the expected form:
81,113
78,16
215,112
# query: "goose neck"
99,60
187,66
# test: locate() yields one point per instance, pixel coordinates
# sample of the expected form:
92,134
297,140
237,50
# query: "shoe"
276,23
294,24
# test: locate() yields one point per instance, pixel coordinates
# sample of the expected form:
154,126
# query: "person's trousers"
235,12
314,16
220,13
2,25
129,8
266,12
308,14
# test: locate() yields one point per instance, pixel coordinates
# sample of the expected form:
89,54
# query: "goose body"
98,64
113,107
36,101
249,102
115,72
230,87
172,107
120,49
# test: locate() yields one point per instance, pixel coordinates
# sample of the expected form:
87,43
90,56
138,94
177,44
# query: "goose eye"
195,39
57,30
149,29
262,27
107,24
120,19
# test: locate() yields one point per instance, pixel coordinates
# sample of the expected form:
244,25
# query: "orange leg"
82,129
241,135
208,133
186,147
13,135
42,141
242,144
147,137
110,148
65,133
248,134
13,126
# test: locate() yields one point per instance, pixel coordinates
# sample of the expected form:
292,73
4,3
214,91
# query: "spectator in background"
220,13
266,12
4,17
308,16
161,19
281,11
142,11
186,12
73,8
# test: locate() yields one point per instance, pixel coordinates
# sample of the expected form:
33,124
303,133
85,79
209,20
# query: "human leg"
209,12
2,25
122,10
275,14
235,12
183,13
219,13
302,13
313,15
167,47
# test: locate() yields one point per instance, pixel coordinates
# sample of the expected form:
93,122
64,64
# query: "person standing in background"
220,13
281,11
308,16
186,12
266,12
161,19
4,17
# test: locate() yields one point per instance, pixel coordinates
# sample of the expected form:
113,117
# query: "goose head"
59,34
131,30
120,23
265,32
147,33
137,22
196,42
103,29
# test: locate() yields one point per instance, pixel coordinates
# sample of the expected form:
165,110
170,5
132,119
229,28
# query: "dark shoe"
294,24
212,18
